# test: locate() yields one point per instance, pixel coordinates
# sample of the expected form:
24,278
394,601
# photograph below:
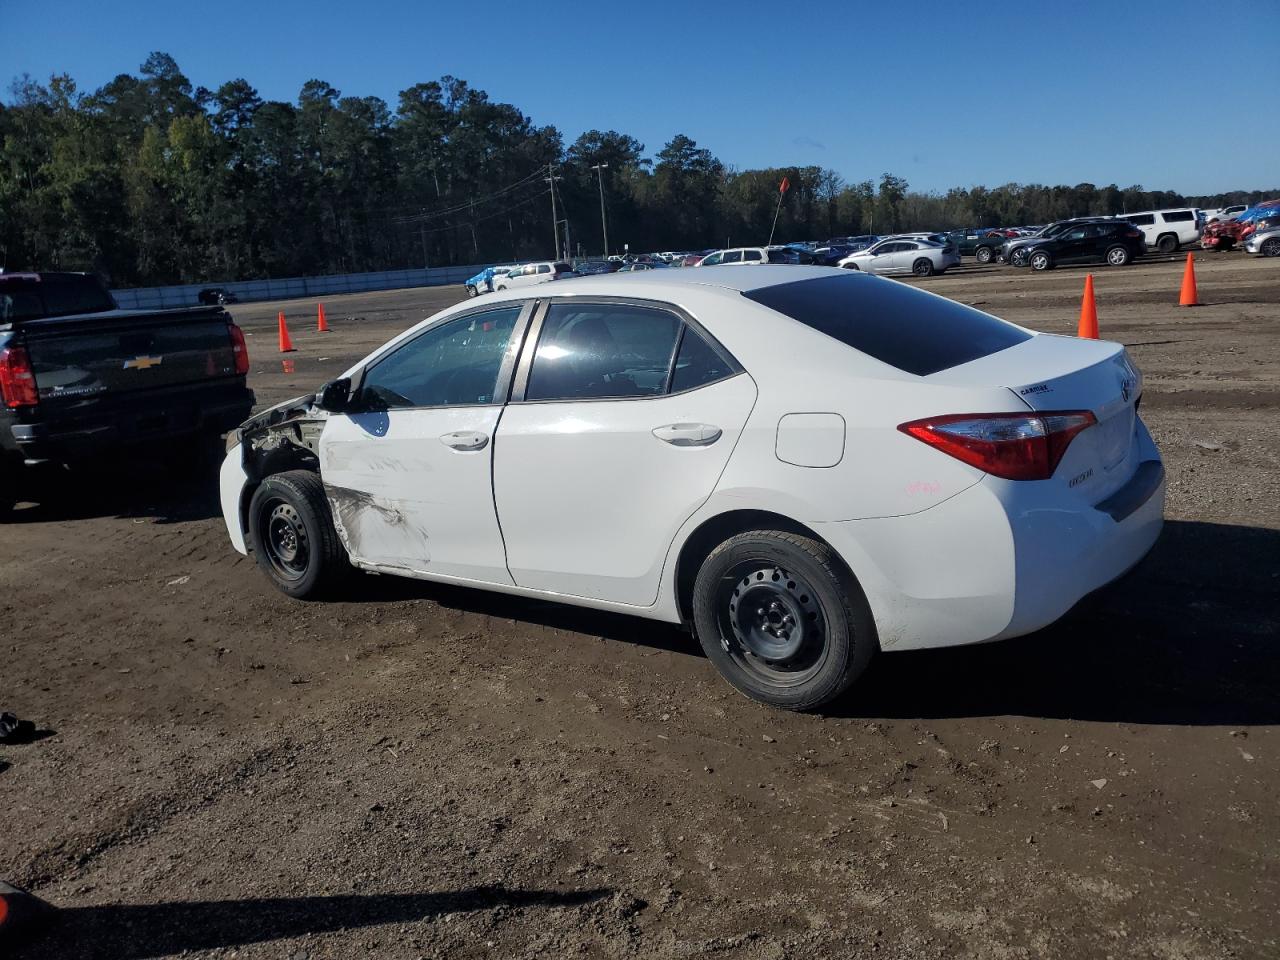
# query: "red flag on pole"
784,186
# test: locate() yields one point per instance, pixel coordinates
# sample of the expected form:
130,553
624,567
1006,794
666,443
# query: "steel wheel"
1117,256
1040,261
772,623
286,540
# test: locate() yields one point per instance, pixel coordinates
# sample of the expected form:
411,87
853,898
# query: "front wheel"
1041,261
292,534
922,267
983,255
1270,247
1118,256
1018,258
782,620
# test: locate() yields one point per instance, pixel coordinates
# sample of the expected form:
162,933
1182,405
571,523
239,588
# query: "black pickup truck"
81,378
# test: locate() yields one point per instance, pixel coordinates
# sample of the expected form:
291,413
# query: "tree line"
148,180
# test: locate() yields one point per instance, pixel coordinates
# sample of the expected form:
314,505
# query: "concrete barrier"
185,295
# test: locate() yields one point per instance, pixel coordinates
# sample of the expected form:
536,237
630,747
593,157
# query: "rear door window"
591,351
1142,219
750,255
896,324
733,256
1178,216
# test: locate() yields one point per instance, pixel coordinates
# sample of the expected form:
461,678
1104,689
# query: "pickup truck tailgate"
119,353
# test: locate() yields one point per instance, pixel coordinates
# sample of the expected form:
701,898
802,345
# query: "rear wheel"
1167,243
983,255
1040,260
293,537
923,267
782,620
1118,256
1270,247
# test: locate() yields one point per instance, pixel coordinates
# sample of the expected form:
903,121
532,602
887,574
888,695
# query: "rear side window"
697,363
750,254
1178,216
896,324
1142,219
594,351
733,256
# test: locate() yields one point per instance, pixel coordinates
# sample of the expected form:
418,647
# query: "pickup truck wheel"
292,534
782,620
982,255
1167,243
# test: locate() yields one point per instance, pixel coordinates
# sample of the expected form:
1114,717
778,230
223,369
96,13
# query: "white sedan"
900,255
804,465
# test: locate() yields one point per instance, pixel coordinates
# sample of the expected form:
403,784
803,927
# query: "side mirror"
335,396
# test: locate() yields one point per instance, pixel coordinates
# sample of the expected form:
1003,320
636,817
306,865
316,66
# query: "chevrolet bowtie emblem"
143,363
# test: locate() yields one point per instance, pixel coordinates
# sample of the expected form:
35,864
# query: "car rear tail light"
17,379
239,349
1135,234
1014,446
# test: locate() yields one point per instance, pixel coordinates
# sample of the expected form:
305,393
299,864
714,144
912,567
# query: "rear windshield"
22,298
895,323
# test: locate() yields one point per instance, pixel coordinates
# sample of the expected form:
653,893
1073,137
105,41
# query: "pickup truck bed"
81,385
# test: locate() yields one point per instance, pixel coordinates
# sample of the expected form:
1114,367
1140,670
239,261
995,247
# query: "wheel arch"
713,531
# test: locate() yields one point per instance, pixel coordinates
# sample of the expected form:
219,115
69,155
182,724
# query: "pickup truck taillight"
239,350
17,379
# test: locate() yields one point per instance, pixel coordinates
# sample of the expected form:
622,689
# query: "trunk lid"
77,358
1053,373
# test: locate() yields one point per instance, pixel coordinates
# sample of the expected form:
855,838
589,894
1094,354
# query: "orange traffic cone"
322,325
286,344
1189,296
1088,312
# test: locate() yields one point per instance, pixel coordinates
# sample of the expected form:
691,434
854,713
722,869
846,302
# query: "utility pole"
604,227
551,178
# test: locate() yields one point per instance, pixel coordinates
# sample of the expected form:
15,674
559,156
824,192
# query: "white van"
1167,230
532,273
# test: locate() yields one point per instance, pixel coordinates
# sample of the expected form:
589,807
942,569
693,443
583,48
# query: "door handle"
688,434
465,440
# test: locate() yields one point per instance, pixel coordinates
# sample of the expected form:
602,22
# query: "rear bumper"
88,430
1000,559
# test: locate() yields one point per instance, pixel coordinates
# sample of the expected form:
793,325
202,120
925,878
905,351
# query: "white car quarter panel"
811,439
590,499
231,481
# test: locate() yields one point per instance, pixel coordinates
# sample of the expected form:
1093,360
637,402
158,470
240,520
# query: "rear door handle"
465,440
688,434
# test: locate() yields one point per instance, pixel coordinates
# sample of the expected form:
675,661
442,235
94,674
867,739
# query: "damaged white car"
805,465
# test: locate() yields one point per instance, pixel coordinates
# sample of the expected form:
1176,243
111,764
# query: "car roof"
651,284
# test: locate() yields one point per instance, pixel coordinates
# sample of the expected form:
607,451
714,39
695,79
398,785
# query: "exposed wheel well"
279,454
716,531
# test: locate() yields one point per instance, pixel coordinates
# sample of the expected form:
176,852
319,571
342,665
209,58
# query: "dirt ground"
421,771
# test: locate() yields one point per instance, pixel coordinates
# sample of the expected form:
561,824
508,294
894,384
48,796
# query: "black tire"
292,535
923,267
1018,257
1119,256
983,255
1270,247
472,291
1167,243
852,266
826,637
1040,261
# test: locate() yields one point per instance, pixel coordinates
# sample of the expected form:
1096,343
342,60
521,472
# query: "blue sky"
944,94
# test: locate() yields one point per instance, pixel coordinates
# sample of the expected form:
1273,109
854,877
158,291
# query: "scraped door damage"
411,491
